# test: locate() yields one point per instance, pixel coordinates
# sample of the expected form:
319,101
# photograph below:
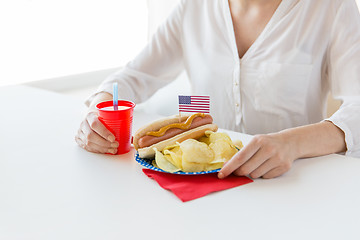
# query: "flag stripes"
194,104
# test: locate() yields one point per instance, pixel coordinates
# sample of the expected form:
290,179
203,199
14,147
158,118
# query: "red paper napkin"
189,187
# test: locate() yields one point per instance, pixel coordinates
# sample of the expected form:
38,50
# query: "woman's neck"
245,5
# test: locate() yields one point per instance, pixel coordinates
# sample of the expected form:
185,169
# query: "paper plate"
148,164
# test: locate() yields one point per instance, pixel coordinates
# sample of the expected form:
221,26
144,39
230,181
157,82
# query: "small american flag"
199,104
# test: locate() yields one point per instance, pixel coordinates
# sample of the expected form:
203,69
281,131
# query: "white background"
43,39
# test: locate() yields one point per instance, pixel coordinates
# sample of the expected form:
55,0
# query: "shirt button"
236,83
237,105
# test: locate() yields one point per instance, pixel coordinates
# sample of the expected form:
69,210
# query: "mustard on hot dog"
181,128
184,125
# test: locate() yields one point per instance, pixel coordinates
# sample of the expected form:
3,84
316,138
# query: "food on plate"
238,143
207,153
170,130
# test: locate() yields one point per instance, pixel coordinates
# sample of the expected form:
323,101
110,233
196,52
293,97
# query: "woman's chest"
249,22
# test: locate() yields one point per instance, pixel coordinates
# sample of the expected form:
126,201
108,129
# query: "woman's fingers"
94,137
95,124
93,147
276,172
274,167
79,141
239,159
253,163
83,142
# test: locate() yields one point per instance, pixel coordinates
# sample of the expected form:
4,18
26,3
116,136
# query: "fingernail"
114,145
111,138
220,175
111,150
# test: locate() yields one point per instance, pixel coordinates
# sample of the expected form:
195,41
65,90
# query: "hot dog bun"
148,152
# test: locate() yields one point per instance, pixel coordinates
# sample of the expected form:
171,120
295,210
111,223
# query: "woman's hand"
95,137
92,134
266,156
271,155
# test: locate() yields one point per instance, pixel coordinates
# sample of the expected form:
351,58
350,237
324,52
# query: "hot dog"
169,130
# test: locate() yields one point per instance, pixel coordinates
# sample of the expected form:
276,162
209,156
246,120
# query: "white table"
52,189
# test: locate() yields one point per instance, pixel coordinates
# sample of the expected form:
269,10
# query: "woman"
268,66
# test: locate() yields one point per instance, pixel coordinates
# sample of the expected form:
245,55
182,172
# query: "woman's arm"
271,155
344,73
316,139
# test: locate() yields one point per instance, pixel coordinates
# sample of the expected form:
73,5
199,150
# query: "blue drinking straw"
115,96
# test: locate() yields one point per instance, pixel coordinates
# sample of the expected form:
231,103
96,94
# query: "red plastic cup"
118,122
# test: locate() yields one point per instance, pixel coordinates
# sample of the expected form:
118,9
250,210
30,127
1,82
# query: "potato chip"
215,136
154,164
208,153
205,139
171,146
193,167
174,156
196,152
214,166
238,143
163,163
223,151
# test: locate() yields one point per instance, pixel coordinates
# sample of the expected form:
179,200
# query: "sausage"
147,140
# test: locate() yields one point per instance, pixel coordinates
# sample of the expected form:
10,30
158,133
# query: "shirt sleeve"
344,73
160,62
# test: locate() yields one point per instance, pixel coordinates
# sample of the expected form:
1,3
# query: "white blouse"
307,49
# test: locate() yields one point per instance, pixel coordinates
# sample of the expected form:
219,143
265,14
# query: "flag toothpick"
194,104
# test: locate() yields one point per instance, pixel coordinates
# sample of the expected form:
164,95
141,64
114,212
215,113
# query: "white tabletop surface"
52,189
